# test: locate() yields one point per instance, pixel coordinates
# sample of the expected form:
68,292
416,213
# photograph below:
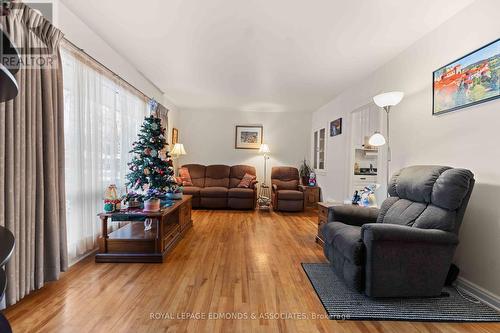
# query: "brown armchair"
288,195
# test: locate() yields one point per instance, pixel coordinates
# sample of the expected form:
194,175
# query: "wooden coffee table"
131,243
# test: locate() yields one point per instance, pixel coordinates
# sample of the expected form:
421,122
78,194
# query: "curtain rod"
112,72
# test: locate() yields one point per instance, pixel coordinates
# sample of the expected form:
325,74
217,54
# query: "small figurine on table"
312,179
356,198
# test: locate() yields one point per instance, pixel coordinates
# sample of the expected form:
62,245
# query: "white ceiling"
260,55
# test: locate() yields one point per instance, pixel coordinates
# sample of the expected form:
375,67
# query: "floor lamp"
264,149
385,101
264,199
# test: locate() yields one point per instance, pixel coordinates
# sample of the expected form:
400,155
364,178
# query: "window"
319,149
102,119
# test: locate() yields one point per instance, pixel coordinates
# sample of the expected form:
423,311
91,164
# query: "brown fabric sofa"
288,195
216,186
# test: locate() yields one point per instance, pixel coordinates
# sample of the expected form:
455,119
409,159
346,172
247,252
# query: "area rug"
341,303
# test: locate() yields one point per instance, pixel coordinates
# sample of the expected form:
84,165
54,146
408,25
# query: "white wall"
466,138
208,137
76,31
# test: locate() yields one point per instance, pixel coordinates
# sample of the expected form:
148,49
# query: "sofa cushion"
237,172
197,172
185,177
285,178
214,192
415,183
240,193
427,197
286,184
217,176
290,195
247,181
435,217
192,190
346,239
451,188
400,211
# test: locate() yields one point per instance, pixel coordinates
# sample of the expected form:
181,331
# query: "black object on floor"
452,275
342,303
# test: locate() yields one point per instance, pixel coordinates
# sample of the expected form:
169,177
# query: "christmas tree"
148,171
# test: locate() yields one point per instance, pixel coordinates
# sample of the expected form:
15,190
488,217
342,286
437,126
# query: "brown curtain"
32,199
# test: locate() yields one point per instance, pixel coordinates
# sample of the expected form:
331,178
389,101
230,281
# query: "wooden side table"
265,197
324,214
311,196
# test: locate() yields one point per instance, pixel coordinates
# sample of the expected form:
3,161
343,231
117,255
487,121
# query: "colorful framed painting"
248,137
467,81
336,127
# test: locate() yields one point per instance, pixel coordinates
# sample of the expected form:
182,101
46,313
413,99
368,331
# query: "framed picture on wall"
248,137
175,136
336,127
467,81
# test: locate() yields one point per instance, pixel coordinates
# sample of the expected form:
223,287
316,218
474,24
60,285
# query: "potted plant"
175,192
132,200
152,200
304,172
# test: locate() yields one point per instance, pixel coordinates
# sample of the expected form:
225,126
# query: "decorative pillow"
247,180
185,177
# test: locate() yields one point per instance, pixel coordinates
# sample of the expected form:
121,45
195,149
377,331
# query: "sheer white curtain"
101,122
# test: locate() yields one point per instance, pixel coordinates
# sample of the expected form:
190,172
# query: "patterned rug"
341,303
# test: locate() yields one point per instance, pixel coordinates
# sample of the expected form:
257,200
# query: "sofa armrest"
399,233
352,214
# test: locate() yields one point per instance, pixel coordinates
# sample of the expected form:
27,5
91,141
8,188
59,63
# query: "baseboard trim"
478,292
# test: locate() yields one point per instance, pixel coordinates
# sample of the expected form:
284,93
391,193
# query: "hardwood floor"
229,262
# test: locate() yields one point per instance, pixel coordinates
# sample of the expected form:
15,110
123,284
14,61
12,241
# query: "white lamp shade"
377,140
178,149
388,99
264,148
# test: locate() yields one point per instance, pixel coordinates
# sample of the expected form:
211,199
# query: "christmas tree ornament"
147,151
146,171
153,105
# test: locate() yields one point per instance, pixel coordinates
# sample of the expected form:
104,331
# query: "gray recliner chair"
404,249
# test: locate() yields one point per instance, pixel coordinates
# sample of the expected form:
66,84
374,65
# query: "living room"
249,166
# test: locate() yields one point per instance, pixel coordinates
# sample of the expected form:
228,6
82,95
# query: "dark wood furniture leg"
104,223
